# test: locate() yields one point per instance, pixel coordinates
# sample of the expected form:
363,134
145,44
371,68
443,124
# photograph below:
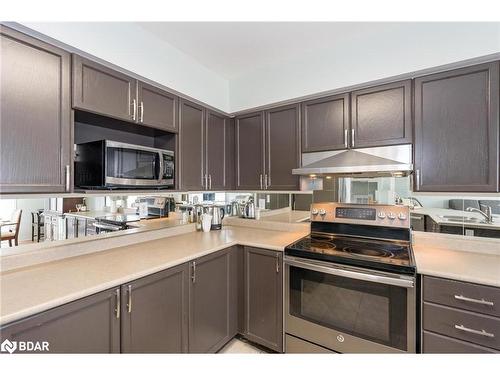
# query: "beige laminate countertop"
37,288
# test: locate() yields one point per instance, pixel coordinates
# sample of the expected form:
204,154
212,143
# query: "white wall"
392,50
131,47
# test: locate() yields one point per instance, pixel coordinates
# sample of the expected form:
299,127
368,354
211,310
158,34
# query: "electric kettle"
217,216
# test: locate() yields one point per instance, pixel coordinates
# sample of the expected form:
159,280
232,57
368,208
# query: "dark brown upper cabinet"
381,115
263,304
250,151
219,152
35,115
191,138
155,313
325,123
211,302
457,130
156,107
104,91
87,325
282,147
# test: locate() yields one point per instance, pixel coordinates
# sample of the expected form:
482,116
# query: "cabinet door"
381,115
191,146
156,107
216,152
210,300
282,148
88,325
250,151
325,123
102,90
264,297
35,115
456,130
155,312
230,155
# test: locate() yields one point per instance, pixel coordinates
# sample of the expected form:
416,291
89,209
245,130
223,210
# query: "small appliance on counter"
108,164
155,207
350,285
217,213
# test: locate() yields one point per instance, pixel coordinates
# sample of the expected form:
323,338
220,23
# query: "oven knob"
391,216
401,216
314,211
381,215
322,212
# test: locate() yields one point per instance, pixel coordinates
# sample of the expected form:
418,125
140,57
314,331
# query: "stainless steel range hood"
366,162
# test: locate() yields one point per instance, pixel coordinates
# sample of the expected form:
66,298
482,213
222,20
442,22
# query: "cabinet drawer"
468,326
434,343
467,296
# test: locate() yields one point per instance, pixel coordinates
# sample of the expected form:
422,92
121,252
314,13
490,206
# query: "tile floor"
239,346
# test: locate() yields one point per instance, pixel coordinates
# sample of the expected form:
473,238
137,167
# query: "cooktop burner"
371,253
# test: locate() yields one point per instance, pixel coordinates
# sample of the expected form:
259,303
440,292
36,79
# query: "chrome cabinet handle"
417,176
193,275
265,182
117,307
352,137
269,181
261,182
461,327
417,218
129,303
142,112
67,177
481,301
345,138
134,109
277,263
209,182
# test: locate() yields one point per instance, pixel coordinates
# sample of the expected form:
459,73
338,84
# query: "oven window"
372,311
130,163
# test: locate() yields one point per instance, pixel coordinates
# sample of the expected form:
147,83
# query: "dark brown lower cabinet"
88,325
264,297
155,313
212,301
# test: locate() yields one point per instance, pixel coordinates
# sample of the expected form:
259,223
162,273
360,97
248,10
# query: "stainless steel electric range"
350,284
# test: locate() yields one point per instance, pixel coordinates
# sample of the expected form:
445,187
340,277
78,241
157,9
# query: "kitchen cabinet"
35,116
88,325
99,89
282,149
154,312
381,115
212,301
105,91
267,149
459,317
264,297
219,150
156,107
250,151
456,130
191,158
325,123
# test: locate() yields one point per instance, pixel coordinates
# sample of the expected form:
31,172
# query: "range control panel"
374,214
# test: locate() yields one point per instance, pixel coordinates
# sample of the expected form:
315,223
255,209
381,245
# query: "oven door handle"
351,274
160,175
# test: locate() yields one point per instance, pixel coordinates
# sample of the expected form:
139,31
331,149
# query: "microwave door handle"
160,175
351,274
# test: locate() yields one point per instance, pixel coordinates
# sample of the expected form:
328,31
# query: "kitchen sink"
462,219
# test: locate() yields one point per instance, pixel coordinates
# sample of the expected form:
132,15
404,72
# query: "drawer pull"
475,331
480,301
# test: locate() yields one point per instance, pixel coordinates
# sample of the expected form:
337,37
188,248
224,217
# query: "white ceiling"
232,49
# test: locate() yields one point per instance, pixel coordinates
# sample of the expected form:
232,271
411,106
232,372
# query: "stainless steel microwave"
109,164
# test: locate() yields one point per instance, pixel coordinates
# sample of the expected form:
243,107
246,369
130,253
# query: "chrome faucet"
487,215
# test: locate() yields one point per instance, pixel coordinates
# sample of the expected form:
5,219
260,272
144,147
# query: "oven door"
132,165
348,309
167,169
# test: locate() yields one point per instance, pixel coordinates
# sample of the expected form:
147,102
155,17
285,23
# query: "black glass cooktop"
377,254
